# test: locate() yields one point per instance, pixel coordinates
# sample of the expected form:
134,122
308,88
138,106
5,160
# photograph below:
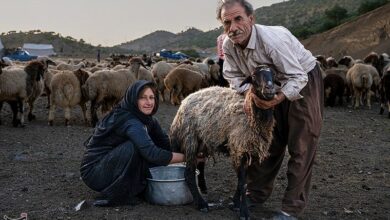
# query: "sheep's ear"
51,62
246,80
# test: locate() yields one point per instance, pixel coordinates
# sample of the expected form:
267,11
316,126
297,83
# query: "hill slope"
369,32
288,14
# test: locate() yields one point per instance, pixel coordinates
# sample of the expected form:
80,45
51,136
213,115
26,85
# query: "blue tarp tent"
170,55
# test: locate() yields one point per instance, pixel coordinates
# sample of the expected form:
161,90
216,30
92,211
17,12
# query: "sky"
110,22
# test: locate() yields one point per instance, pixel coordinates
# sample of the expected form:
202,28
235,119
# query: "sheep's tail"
364,79
68,92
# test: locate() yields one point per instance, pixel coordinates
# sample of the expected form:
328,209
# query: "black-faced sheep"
65,88
334,86
384,63
213,119
20,85
385,92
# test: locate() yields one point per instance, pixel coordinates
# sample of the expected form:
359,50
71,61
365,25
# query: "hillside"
300,16
63,46
366,33
289,14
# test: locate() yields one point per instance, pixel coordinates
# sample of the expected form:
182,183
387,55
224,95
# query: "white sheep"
65,88
213,119
140,73
65,66
105,88
159,71
22,85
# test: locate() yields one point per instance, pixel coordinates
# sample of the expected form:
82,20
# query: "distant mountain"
297,15
288,13
63,46
357,38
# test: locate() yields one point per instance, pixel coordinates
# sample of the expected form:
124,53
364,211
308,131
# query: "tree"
370,5
336,14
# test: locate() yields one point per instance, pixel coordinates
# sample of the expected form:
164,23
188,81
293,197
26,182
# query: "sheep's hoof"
388,115
203,207
31,117
67,122
16,123
50,123
245,218
381,111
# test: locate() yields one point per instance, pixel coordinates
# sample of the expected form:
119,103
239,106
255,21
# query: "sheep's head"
81,75
137,61
35,70
331,62
262,80
346,60
2,64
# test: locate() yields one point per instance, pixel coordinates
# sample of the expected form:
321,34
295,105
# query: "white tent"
1,49
39,49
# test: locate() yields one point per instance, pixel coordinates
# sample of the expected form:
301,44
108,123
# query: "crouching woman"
125,144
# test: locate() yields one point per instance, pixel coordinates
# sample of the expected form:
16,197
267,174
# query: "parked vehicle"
21,55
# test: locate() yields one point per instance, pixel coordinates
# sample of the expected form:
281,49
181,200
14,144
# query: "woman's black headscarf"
128,108
129,102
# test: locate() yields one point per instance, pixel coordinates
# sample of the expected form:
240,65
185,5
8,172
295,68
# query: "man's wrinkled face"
237,24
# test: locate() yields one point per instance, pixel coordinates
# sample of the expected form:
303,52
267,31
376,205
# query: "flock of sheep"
72,83
359,80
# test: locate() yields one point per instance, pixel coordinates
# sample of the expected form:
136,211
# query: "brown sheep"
182,82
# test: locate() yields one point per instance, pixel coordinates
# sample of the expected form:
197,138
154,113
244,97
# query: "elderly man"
298,103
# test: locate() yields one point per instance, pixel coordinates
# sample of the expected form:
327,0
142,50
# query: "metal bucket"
167,186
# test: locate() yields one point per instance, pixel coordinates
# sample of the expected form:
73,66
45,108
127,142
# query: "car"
21,55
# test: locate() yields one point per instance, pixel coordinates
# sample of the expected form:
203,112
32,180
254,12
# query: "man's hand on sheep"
263,104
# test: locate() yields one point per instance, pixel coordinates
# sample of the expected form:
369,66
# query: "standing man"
98,56
298,103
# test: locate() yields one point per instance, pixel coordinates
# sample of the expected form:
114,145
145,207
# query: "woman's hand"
177,158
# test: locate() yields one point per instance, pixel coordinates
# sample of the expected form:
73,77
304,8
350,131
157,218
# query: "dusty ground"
39,171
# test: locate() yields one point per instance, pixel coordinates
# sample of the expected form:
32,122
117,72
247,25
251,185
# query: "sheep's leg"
84,110
1,107
52,111
67,115
94,118
14,108
244,211
369,99
47,91
201,179
21,104
357,98
189,175
30,115
388,109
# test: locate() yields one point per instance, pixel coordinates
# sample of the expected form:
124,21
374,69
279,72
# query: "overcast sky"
110,22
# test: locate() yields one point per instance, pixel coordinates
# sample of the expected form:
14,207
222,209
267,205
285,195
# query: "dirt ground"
39,171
